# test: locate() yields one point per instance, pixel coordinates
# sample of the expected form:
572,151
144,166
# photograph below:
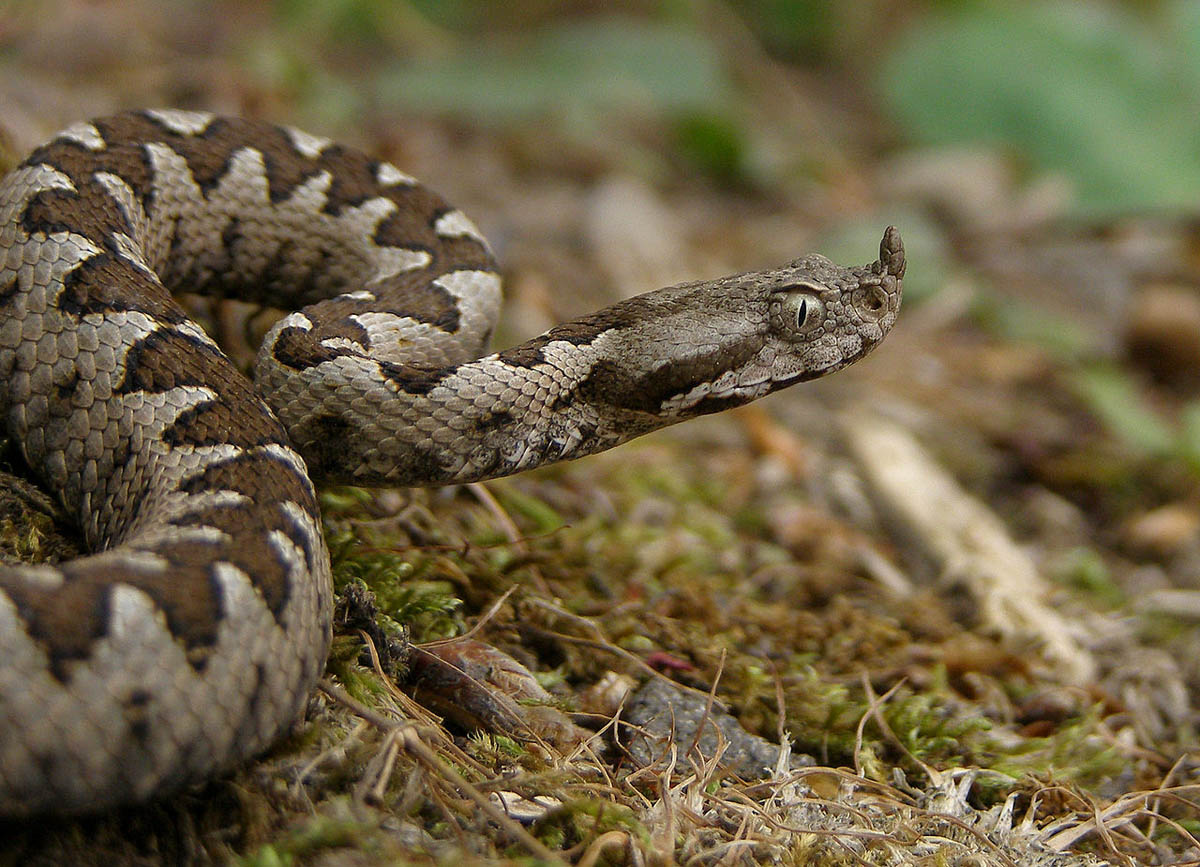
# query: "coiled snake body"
192,635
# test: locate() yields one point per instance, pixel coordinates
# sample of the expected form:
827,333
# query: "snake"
189,635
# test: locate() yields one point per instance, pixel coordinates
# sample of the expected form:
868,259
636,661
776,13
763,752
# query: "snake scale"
191,635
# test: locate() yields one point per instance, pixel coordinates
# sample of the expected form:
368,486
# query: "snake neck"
582,387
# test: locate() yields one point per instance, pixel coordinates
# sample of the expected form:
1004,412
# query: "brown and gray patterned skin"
192,636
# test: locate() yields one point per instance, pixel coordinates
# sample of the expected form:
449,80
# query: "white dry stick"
967,541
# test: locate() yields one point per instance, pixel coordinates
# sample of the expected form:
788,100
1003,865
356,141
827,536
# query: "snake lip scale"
192,634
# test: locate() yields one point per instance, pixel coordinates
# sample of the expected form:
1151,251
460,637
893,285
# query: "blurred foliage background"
1103,93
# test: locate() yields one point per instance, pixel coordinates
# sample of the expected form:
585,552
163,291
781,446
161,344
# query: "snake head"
765,330
824,317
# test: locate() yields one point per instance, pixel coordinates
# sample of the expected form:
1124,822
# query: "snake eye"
798,311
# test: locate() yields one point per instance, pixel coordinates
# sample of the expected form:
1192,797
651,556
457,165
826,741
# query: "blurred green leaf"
1091,91
1085,568
714,144
353,21
794,28
1190,434
575,73
1113,396
1015,319
460,14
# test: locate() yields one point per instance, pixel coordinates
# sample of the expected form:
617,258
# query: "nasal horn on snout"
891,254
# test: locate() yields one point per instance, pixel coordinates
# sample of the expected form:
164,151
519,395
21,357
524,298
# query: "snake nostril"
871,302
874,300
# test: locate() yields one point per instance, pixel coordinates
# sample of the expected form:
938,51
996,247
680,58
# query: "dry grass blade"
413,744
